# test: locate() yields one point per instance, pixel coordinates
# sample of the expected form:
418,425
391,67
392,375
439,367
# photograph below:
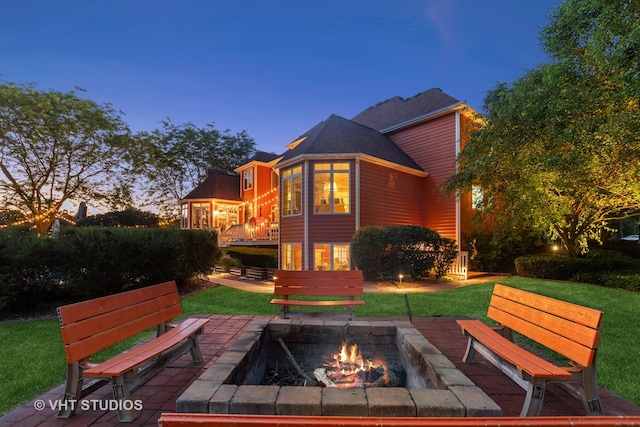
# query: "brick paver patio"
160,393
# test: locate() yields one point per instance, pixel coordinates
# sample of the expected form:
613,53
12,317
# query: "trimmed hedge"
256,257
599,267
88,262
415,252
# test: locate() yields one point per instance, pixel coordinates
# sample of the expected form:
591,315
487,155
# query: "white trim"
305,244
350,156
458,208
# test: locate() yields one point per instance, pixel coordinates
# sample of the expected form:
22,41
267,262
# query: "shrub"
256,257
559,267
89,262
413,251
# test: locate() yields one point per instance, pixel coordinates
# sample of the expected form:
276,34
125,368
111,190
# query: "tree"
559,151
176,159
56,147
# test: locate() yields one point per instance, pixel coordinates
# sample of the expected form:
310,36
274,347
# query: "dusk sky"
273,68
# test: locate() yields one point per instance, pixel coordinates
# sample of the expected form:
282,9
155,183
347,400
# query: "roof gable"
337,135
397,110
218,184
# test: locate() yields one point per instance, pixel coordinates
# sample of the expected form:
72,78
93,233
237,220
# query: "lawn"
34,360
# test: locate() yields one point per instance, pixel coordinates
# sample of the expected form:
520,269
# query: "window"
292,256
247,179
292,191
184,216
200,215
331,256
331,188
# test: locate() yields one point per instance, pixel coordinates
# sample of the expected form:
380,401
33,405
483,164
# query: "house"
214,204
382,167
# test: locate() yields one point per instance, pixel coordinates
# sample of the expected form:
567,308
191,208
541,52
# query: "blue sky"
273,68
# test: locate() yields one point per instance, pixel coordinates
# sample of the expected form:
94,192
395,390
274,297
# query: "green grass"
34,362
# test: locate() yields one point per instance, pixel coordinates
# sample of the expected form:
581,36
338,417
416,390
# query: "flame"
347,367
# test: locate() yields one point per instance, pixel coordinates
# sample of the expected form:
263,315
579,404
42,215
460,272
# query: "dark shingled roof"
397,110
337,135
263,156
219,184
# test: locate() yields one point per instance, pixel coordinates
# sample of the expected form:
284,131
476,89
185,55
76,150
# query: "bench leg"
470,353
122,394
196,354
72,391
533,400
590,396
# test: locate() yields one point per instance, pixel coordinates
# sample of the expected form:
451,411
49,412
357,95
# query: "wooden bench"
568,329
292,284
256,273
90,326
234,420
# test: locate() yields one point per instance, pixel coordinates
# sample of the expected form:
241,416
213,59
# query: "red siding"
388,196
433,146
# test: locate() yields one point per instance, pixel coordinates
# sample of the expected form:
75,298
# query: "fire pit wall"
433,386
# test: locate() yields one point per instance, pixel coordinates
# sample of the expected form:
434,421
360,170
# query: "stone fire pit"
433,386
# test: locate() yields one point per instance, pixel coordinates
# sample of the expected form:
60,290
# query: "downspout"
357,204
458,208
305,243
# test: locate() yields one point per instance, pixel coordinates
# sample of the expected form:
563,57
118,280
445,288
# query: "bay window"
331,188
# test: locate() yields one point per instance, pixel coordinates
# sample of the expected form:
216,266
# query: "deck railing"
460,266
253,231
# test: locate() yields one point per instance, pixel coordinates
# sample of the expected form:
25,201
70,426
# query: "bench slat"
319,284
84,348
563,327
308,303
234,420
82,310
76,331
563,345
124,362
586,316
511,352
320,291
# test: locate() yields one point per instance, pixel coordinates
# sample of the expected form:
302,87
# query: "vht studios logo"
88,405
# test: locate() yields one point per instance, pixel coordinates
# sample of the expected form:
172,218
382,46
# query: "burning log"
321,375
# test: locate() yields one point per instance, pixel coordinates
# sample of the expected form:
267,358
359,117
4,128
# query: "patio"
160,393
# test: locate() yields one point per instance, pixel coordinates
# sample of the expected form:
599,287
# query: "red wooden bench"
90,326
568,329
292,284
232,420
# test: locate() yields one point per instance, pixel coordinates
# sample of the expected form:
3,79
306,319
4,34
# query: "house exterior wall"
389,196
433,146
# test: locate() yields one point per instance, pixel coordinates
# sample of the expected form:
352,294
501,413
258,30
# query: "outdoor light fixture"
400,276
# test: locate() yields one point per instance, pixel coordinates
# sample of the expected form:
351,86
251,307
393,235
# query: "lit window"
200,215
331,188
291,256
184,216
292,191
247,179
331,256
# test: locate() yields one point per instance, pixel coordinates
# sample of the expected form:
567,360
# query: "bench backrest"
93,325
568,329
319,283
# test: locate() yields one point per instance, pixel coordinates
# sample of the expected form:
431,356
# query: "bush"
413,251
255,257
367,249
497,251
559,267
83,263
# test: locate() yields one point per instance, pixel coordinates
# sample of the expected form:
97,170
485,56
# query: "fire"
349,369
